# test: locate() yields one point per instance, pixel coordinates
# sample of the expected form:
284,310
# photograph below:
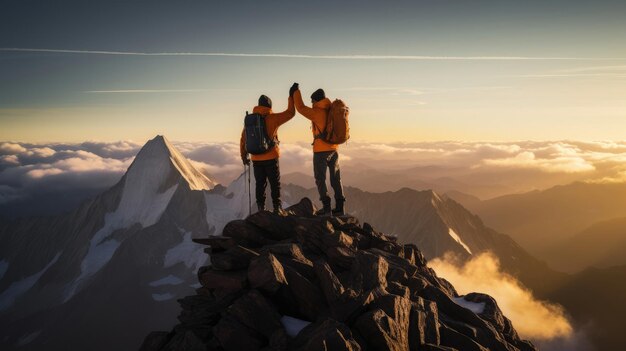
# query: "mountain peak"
158,157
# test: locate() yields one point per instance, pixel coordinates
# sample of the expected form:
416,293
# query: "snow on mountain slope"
149,184
16,289
230,203
456,238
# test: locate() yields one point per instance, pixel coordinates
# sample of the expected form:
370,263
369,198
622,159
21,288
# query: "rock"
233,335
246,234
399,309
331,286
273,226
310,233
154,341
341,257
368,271
358,287
308,296
424,324
414,255
216,242
186,340
396,261
233,280
234,258
452,338
256,312
398,289
326,335
304,208
290,254
380,331
266,273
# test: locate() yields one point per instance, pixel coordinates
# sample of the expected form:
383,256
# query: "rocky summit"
303,282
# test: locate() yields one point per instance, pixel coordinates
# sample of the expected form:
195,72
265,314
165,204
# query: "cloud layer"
27,170
542,322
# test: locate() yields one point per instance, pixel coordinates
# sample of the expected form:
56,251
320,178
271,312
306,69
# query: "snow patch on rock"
28,338
457,238
169,280
476,307
293,326
163,297
8,297
187,252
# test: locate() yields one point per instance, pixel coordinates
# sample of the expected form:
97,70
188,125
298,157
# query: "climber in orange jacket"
325,155
266,167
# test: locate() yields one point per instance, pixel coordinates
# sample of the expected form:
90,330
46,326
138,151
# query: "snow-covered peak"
158,157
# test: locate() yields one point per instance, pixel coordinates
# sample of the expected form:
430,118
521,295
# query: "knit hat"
318,95
265,101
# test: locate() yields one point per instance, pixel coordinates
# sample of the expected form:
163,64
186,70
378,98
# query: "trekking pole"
249,192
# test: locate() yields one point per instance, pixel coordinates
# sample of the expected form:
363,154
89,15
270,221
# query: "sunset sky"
409,70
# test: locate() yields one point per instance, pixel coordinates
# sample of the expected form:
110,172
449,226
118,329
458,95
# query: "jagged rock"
325,336
331,286
309,298
266,273
154,341
272,226
452,338
368,271
399,309
217,242
233,335
234,258
233,280
184,341
424,324
310,233
245,234
359,288
380,331
290,254
304,208
257,313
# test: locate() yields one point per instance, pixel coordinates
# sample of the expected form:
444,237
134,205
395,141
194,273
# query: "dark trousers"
265,171
321,162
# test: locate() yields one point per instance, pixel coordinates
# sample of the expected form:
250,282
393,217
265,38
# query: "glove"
293,88
245,160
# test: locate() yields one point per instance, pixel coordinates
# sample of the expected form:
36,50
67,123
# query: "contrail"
299,56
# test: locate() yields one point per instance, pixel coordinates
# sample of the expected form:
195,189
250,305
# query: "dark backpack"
256,138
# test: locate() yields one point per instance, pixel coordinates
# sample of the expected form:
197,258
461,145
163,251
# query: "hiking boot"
324,211
338,210
278,210
260,207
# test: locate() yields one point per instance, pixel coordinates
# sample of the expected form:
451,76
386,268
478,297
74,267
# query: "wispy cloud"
301,56
146,91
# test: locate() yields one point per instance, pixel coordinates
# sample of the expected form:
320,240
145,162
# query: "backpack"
337,129
256,138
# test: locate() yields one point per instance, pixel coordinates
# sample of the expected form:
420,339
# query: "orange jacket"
272,122
317,114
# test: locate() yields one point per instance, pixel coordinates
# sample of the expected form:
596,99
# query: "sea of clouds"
78,170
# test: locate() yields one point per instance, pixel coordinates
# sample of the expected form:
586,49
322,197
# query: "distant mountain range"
119,261
554,224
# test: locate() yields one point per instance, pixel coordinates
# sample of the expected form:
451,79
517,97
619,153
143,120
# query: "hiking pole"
249,192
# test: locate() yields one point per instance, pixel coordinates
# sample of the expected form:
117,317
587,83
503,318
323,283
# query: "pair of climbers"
260,139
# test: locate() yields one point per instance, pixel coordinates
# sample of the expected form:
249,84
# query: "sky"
410,71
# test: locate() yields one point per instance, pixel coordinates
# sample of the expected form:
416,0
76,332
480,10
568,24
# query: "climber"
260,139
325,155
